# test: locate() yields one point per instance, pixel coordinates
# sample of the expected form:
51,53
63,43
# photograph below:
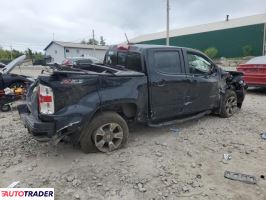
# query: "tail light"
46,100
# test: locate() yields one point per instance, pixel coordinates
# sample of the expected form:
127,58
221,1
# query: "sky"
34,23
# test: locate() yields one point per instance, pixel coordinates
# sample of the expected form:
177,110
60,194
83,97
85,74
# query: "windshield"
129,60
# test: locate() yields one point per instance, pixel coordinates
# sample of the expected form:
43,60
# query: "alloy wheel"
231,105
108,137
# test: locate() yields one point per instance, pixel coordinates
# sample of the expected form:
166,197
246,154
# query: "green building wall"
229,42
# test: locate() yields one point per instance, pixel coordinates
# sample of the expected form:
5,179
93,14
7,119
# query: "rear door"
168,83
203,93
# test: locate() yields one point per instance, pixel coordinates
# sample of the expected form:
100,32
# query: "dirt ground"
156,164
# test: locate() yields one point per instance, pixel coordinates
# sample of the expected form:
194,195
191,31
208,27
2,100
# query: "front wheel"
229,104
107,132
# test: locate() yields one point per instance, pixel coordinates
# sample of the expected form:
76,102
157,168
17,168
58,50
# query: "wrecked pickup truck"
151,84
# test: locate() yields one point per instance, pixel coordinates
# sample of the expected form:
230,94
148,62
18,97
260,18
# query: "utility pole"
53,36
93,42
11,53
167,22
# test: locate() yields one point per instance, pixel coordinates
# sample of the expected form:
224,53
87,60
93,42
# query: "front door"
168,83
203,93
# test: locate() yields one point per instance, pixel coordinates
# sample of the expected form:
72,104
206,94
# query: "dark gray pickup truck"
156,85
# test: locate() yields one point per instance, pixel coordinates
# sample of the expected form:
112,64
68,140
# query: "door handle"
161,83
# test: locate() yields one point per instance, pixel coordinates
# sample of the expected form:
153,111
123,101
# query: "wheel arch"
127,110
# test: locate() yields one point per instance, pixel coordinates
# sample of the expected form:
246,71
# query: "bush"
247,50
211,52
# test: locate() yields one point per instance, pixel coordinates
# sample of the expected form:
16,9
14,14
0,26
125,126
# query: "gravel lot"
156,164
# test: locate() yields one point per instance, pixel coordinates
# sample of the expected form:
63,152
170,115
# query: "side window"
134,62
129,60
167,62
111,58
198,64
122,58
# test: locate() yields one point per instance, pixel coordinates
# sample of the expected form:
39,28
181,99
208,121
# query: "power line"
167,22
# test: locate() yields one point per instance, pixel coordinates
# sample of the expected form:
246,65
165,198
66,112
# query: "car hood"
10,66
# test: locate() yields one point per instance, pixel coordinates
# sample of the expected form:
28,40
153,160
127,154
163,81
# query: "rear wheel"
229,104
107,132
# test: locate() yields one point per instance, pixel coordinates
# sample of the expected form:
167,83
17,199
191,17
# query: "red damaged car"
254,71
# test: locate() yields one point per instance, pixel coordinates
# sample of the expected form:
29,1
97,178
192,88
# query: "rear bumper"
255,79
35,126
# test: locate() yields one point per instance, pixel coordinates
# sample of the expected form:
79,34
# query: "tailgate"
68,89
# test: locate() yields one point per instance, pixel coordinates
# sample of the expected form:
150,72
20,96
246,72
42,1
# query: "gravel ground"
156,164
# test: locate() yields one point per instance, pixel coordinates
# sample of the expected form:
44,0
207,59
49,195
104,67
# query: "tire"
107,132
5,107
229,104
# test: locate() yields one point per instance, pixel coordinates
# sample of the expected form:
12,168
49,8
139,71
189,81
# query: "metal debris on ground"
240,177
227,156
175,130
263,136
14,184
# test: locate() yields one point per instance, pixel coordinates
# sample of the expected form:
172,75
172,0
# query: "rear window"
129,60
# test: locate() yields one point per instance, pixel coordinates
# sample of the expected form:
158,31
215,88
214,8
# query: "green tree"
92,41
102,41
212,52
16,53
29,54
38,58
83,41
7,55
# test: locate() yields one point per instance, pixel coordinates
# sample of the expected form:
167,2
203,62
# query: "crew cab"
151,84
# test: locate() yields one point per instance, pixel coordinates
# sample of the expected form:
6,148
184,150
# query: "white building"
58,51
